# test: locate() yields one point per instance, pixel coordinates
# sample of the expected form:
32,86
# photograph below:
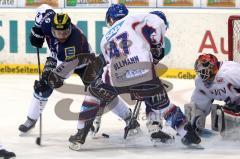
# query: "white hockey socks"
36,107
120,108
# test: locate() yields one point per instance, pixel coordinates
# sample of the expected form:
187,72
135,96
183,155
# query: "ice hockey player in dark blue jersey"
65,41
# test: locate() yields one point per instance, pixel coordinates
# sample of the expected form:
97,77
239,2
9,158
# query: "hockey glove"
94,68
42,88
36,37
50,64
157,53
54,80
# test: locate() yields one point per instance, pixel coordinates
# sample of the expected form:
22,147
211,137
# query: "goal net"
234,38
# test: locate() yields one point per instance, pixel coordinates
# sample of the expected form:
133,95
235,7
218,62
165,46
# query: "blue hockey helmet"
116,12
161,15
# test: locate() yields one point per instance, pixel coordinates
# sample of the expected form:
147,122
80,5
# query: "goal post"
234,38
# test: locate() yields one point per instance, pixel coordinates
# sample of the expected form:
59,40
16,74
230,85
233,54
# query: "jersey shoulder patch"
113,30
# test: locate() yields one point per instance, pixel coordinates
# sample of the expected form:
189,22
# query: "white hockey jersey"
126,49
225,87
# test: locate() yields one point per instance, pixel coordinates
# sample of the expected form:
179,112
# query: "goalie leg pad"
216,117
230,122
195,115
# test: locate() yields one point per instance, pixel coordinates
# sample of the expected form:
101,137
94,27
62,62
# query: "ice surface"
16,92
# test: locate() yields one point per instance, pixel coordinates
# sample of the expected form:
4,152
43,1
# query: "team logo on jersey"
219,80
47,20
70,52
113,31
218,92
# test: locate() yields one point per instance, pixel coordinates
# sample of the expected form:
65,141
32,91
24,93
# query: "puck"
105,135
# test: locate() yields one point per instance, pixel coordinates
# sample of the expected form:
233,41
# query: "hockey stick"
38,139
134,116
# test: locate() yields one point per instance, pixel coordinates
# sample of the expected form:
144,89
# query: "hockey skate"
133,128
27,126
95,126
157,135
191,138
77,140
6,154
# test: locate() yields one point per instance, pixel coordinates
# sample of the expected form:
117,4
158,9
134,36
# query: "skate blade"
93,135
195,146
75,146
157,142
24,134
7,157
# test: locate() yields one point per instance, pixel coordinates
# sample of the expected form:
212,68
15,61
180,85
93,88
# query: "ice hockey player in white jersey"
6,154
131,47
215,80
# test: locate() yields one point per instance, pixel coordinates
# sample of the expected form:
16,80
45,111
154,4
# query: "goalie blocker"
226,120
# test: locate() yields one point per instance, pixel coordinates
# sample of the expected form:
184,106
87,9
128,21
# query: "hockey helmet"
61,26
116,12
162,16
207,66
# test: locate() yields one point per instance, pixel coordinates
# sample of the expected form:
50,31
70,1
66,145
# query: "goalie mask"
207,66
61,26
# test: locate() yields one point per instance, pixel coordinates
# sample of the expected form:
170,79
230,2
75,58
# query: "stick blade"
38,141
